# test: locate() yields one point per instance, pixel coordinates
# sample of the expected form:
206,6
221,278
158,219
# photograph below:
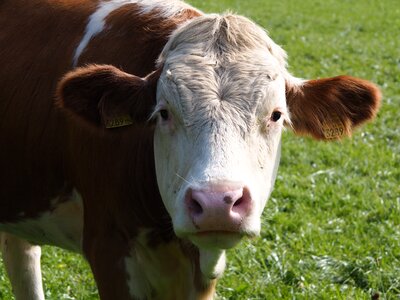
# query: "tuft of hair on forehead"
226,34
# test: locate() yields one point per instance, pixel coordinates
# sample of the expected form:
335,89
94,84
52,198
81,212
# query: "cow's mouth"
217,232
216,239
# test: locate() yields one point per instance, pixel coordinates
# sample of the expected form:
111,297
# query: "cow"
145,134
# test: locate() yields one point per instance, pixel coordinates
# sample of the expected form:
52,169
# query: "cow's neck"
117,170
129,239
165,270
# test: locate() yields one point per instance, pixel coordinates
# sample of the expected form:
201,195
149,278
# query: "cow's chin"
216,239
212,246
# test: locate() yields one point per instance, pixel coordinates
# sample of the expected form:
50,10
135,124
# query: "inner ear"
105,96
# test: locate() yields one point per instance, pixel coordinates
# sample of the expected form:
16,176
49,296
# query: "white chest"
61,226
162,272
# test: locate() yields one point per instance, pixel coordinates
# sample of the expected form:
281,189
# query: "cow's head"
220,100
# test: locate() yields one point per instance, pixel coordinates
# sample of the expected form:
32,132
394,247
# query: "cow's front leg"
22,262
106,256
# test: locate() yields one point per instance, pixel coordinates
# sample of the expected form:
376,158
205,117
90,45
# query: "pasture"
331,227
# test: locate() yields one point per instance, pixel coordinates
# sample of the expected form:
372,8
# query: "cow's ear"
106,96
330,108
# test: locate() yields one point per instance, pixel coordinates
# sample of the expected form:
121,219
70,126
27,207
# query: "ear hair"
100,93
330,108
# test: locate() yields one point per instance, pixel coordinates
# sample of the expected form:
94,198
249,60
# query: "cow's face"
220,111
220,100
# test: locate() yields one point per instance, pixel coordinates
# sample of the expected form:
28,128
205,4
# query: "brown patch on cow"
38,39
105,250
330,108
42,150
133,46
112,171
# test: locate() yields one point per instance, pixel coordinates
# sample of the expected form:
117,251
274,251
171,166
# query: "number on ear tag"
333,128
121,121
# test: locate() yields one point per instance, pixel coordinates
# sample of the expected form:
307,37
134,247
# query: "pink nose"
218,208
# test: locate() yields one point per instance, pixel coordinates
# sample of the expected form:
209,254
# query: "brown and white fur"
153,205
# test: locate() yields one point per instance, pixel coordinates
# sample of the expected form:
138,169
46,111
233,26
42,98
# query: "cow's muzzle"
218,208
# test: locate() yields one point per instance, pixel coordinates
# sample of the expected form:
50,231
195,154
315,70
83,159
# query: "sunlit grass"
331,227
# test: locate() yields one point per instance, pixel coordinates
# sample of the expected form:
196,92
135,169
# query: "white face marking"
96,21
220,134
62,226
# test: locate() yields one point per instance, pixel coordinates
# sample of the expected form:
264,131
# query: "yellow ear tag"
121,121
333,128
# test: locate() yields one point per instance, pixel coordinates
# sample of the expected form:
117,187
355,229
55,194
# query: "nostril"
243,204
195,207
238,202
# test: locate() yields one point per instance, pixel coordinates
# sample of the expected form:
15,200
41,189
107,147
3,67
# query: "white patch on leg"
62,226
22,262
96,21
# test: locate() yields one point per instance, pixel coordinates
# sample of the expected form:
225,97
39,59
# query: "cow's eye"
164,114
276,115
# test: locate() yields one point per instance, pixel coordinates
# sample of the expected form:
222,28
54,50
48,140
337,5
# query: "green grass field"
331,228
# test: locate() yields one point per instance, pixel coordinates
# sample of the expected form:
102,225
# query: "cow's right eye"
276,115
164,114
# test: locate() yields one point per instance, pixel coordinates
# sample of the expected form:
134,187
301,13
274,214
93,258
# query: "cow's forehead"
231,81
220,38
203,91
220,64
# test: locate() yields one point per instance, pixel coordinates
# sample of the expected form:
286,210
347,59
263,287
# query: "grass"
331,227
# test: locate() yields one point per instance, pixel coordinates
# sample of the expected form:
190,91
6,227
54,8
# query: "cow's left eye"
276,115
164,114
